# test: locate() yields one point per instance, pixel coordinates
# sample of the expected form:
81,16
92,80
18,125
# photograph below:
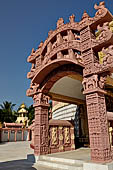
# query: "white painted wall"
65,113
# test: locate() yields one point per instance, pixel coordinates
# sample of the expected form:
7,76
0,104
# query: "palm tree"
7,114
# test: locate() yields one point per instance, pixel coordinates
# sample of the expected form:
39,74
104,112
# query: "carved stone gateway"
85,47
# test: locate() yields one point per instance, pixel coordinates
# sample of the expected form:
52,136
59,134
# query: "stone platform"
71,160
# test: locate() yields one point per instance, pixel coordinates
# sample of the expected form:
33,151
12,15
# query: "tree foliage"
7,114
31,114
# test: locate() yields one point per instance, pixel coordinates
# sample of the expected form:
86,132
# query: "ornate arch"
76,45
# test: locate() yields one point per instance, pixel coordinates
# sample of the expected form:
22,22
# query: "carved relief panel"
54,136
66,135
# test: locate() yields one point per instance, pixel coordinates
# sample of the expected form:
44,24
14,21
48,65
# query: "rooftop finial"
60,22
101,5
72,18
85,15
32,51
50,32
40,45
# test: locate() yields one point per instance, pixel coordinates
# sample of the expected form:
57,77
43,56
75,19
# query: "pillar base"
37,157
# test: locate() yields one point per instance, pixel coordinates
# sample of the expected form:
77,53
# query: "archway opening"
64,88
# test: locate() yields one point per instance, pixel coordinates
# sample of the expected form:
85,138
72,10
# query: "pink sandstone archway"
74,48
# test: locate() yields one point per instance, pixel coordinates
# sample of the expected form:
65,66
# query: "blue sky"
23,24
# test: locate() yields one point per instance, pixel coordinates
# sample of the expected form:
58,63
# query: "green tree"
31,114
7,114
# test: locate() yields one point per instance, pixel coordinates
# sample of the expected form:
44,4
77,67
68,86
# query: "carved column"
41,124
93,84
98,127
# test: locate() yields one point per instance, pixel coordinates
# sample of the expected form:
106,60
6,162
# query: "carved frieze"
40,99
73,44
90,83
64,27
94,83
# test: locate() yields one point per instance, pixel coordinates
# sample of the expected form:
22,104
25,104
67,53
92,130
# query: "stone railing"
61,136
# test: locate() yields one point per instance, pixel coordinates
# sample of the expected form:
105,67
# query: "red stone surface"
61,136
73,48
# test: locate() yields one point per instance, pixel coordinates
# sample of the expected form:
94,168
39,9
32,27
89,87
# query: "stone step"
54,165
61,160
58,163
38,167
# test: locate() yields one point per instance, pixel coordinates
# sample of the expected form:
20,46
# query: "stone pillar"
97,118
22,134
98,127
8,135
15,134
41,125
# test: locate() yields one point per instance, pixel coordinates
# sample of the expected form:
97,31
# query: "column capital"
94,84
40,99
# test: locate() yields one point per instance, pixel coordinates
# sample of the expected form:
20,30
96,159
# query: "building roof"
22,110
13,124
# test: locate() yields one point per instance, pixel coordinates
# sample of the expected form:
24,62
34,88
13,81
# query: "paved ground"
13,156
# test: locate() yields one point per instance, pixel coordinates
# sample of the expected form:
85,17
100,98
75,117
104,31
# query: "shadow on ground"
22,164
2,143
